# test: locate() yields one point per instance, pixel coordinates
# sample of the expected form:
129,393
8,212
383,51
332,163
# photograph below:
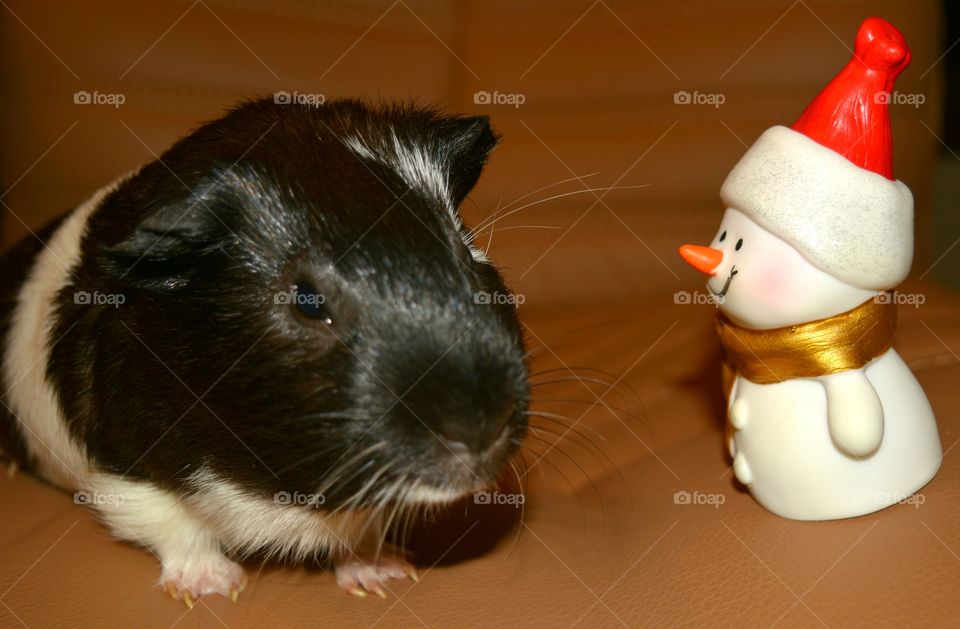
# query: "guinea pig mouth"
461,473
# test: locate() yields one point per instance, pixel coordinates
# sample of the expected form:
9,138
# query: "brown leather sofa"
603,538
601,541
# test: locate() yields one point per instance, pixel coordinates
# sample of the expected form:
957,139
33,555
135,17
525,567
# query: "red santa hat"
826,185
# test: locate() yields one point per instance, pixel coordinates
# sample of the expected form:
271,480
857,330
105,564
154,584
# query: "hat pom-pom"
882,48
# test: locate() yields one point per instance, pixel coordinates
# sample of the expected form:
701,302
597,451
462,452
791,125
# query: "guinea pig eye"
311,304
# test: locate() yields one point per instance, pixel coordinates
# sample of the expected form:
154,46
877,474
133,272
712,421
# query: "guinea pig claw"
413,574
188,581
356,591
368,574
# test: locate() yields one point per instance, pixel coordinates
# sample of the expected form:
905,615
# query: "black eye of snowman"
739,244
723,236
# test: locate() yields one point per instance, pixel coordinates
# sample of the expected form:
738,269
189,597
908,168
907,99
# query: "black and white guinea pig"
269,341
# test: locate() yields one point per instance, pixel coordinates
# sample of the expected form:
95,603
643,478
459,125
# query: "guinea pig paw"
361,576
190,578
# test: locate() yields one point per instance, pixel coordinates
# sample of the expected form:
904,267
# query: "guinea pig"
271,340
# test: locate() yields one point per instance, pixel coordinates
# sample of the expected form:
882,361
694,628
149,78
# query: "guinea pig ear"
163,242
470,141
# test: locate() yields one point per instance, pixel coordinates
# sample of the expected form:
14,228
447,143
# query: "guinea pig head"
307,309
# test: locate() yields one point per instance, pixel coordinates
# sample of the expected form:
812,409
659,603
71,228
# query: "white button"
739,414
742,469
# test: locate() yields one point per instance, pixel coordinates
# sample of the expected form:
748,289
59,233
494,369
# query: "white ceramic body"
785,454
817,448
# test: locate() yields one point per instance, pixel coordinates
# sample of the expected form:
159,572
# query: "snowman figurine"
825,419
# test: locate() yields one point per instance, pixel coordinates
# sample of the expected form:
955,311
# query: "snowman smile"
726,285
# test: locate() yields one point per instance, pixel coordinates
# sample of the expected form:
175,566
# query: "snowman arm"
854,412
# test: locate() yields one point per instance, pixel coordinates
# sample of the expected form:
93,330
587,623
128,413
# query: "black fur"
201,243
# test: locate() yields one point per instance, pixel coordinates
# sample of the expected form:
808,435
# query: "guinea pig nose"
462,435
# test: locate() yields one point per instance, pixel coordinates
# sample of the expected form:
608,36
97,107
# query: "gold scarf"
845,341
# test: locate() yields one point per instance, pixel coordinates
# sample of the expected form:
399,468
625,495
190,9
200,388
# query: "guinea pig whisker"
504,208
407,513
362,493
527,195
585,382
575,369
555,446
373,525
503,213
321,452
523,509
591,447
568,423
396,492
606,459
476,231
618,410
345,479
512,227
572,378
544,457
331,415
486,249
327,480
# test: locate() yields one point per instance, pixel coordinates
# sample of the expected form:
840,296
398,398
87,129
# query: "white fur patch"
142,513
246,522
423,494
419,170
30,396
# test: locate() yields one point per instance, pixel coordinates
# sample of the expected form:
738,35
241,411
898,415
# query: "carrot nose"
703,259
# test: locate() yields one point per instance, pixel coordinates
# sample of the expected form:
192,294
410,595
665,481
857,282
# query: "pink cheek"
774,285
763,286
